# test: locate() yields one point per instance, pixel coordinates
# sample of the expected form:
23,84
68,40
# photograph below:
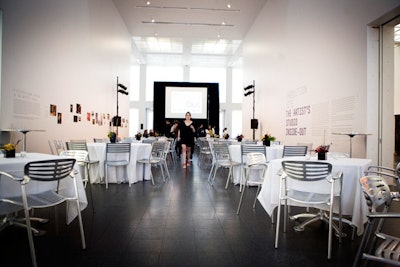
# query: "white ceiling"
188,32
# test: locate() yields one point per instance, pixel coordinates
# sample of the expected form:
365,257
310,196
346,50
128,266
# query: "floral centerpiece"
226,136
322,150
138,136
9,149
112,136
240,137
267,138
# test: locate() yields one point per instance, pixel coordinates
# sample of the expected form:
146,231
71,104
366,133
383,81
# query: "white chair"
221,159
81,157
257,162
82,145
310,183
387,251
44,172
58,146
117,155
205,155
156,158
244,150
171,153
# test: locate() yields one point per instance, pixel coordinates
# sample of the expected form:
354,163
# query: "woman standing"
186,135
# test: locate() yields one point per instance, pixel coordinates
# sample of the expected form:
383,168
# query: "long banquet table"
353,201
136,172
15,166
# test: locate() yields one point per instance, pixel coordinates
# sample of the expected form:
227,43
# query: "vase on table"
322,156
9,153
113,139
267,142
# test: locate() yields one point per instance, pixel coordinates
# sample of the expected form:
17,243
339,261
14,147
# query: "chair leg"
78,207
255,199
210,174
28,228
106,176
229,177
151,175
241,196
214,174
278,220
90,188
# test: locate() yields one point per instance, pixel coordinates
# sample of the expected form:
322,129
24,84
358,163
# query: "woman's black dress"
187,134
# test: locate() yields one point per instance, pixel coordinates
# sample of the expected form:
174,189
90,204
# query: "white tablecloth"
353,201
15,166
136,172
273,152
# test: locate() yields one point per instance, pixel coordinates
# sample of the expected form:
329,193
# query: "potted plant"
138,136
112,136
239,137
267,138
321,152
9,149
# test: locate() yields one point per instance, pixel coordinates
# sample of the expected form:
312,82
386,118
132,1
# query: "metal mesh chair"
205,155
81,157
221,159
117,155
309,183
156,158
376,245
46,171
258,162
246,149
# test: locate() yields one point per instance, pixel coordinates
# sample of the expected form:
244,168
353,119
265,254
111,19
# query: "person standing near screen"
186,135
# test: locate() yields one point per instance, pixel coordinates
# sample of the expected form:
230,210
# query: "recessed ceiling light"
153,20
223,23
148,3
228,6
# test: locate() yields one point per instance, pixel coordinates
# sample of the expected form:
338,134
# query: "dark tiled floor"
184,222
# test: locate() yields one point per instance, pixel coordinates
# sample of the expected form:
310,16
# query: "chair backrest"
157,150
51,148
172,144
81,156
251,148
220,151
99,140
307,170
293,151
249,142
77,145
49,170
376,192
59,146
255,158
148,140
118,148
308,145
204,145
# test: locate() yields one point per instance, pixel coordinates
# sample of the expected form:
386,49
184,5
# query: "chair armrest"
384,215
379,168
337,175
17,179
367,172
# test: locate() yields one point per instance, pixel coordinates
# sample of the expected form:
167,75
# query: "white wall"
310,56
62,53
